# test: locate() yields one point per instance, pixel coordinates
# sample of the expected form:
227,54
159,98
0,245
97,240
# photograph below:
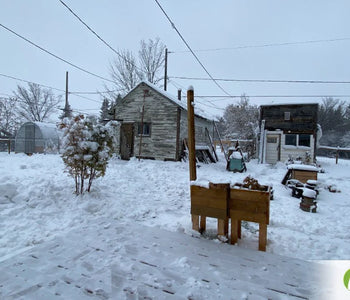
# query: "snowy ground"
37,206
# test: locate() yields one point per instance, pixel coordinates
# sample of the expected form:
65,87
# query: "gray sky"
204,24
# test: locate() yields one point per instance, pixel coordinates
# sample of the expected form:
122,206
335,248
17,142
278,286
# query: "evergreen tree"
105,111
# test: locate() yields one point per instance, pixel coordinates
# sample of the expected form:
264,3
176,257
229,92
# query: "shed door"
126,140
272,148
29,139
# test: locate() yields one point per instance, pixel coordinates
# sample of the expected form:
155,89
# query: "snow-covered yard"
37,205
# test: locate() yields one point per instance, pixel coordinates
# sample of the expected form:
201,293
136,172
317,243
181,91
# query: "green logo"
347,279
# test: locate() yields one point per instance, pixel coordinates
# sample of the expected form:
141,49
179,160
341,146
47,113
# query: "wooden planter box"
252,206
304,175
222,202
210,202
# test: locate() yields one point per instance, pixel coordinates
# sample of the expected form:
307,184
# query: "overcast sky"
243,26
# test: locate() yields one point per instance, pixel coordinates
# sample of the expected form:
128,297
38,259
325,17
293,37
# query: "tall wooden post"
191,134
165,69
192,151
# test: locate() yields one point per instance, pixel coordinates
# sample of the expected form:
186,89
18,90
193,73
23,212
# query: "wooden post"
191,134
337,156
192,152
9,146
262,236
165,69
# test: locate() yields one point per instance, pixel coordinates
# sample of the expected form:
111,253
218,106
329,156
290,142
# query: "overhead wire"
266,45
54,55
97,35
47,86
264,80
189,48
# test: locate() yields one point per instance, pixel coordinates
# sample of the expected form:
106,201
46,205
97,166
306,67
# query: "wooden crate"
304,175
252,206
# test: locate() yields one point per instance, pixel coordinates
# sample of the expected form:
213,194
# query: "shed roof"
183,104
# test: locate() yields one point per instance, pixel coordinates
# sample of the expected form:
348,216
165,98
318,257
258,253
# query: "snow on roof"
48,130
183,104
276,103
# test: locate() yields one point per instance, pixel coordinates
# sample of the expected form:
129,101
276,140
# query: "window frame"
145,126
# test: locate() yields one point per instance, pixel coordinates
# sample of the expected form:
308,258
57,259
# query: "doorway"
126,140
273,148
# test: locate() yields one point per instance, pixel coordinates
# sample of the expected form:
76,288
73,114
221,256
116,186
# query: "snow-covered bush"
87,147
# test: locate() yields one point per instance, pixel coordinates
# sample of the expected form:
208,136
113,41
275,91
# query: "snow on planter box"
303,172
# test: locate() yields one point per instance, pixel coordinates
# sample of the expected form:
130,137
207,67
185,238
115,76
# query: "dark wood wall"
303,117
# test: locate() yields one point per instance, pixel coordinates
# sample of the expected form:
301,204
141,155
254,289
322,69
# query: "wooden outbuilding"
153,124
288,131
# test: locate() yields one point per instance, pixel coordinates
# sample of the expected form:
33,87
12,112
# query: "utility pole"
165,69
67,111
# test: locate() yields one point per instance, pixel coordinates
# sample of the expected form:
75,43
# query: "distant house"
153,117
37,137
288,131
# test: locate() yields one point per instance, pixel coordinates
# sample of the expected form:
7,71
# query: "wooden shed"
288,131
154,125
37,137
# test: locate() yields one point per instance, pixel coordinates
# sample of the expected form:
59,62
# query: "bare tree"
127,73
35,103
124,71
151,56
241,120
9,122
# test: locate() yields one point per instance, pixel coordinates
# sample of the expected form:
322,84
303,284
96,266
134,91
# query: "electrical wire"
272,96
190,49
97,35
265,80
54,55
266,45
47,86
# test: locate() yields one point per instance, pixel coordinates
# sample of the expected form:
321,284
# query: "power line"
189,48
54,55
266,45
265,80
97,35
46,86
221,98
23,80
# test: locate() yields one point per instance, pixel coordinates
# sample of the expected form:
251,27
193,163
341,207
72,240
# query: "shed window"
304,140
287,115
146,131
291,139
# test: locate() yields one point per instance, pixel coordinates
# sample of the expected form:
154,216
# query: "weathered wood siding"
303,117
168,123
160,113
200,125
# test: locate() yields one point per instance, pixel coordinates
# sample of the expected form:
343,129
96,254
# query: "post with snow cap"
191,134
192,149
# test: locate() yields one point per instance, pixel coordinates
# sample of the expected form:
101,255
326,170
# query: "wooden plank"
195,222
249,216
223,226
234,231
262,236
210,202
208,212
303,175
203,223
